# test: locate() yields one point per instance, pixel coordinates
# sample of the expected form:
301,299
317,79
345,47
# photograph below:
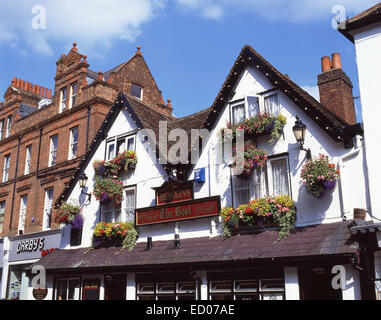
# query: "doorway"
115,287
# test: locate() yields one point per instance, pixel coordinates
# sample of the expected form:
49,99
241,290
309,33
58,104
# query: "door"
115,287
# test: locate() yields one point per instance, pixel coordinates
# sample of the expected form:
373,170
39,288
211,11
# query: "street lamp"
82,184
299,130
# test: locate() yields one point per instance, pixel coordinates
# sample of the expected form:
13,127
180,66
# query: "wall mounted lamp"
82,184
299,130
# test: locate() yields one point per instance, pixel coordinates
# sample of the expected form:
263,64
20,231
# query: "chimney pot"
325,64
336,61
138,50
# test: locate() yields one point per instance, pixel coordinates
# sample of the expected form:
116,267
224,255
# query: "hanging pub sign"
176,211
171,192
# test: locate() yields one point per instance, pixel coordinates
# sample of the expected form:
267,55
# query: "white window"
7,161
73,143
269,180
119,144
251,105
2,127
111,212
22,217
48,208
137,91
9,126
28,157
63,99
2,213
67,289
130,204
53,150
73,94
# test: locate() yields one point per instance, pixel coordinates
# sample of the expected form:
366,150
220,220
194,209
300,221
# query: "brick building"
44,134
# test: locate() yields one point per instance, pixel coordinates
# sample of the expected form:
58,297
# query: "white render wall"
368,46
147,174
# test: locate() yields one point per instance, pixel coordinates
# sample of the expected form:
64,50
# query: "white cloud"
94,24
313,91
279,10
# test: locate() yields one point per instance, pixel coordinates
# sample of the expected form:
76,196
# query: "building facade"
183,250
43,136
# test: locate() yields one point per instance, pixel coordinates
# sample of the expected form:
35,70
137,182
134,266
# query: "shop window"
2,213
75,237
248,289
115,287
90,289
166,291
14,284
67,289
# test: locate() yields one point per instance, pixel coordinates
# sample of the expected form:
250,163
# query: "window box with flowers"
122,162
69,213
277,211
108,189
319,176
261,124
115,234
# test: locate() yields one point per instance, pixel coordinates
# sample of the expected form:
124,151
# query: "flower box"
108,234
122,162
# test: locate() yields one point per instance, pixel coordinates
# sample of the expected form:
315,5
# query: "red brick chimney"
335,89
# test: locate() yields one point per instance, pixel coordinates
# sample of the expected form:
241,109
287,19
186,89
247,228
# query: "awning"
323,240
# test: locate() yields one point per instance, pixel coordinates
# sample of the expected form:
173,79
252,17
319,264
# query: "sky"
189,45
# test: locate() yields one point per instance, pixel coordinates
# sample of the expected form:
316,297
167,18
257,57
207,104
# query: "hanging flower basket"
108,189
279,211
69,213
251,158
319,176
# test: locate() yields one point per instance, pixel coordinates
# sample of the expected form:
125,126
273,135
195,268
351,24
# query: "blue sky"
189,45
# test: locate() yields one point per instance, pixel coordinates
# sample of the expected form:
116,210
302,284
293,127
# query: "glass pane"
186,297
245,285
221,297
280,179
377,264
131,144
253,106
73,293
186,287
117,213
61,286
246,297
121,145
271,104
241,190
272,296
272,285
110,151
238,113
165,297
221,286
146,288
377,286
146,297
136,91
165,288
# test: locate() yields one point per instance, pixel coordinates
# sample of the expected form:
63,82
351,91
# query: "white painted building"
364,30
206,266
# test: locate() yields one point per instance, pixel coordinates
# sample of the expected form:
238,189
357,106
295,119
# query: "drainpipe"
14,182
87,128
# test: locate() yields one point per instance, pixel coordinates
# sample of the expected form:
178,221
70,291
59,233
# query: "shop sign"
205,207
39,293
174,192
27,247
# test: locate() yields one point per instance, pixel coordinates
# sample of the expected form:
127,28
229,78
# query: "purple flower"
101,169
104,197
269,126
329,185
77,222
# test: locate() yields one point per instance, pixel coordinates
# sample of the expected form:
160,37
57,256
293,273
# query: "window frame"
51,150
2,127
9,127
73,143
141,91
2,215
6,169
22,213
28,159
124,208
114,141
63,99
67,286
73,95
47,220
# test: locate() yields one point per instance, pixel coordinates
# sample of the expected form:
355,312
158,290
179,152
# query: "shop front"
25,250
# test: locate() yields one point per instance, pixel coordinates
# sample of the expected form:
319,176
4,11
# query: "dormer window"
63,99
73,94
137,91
